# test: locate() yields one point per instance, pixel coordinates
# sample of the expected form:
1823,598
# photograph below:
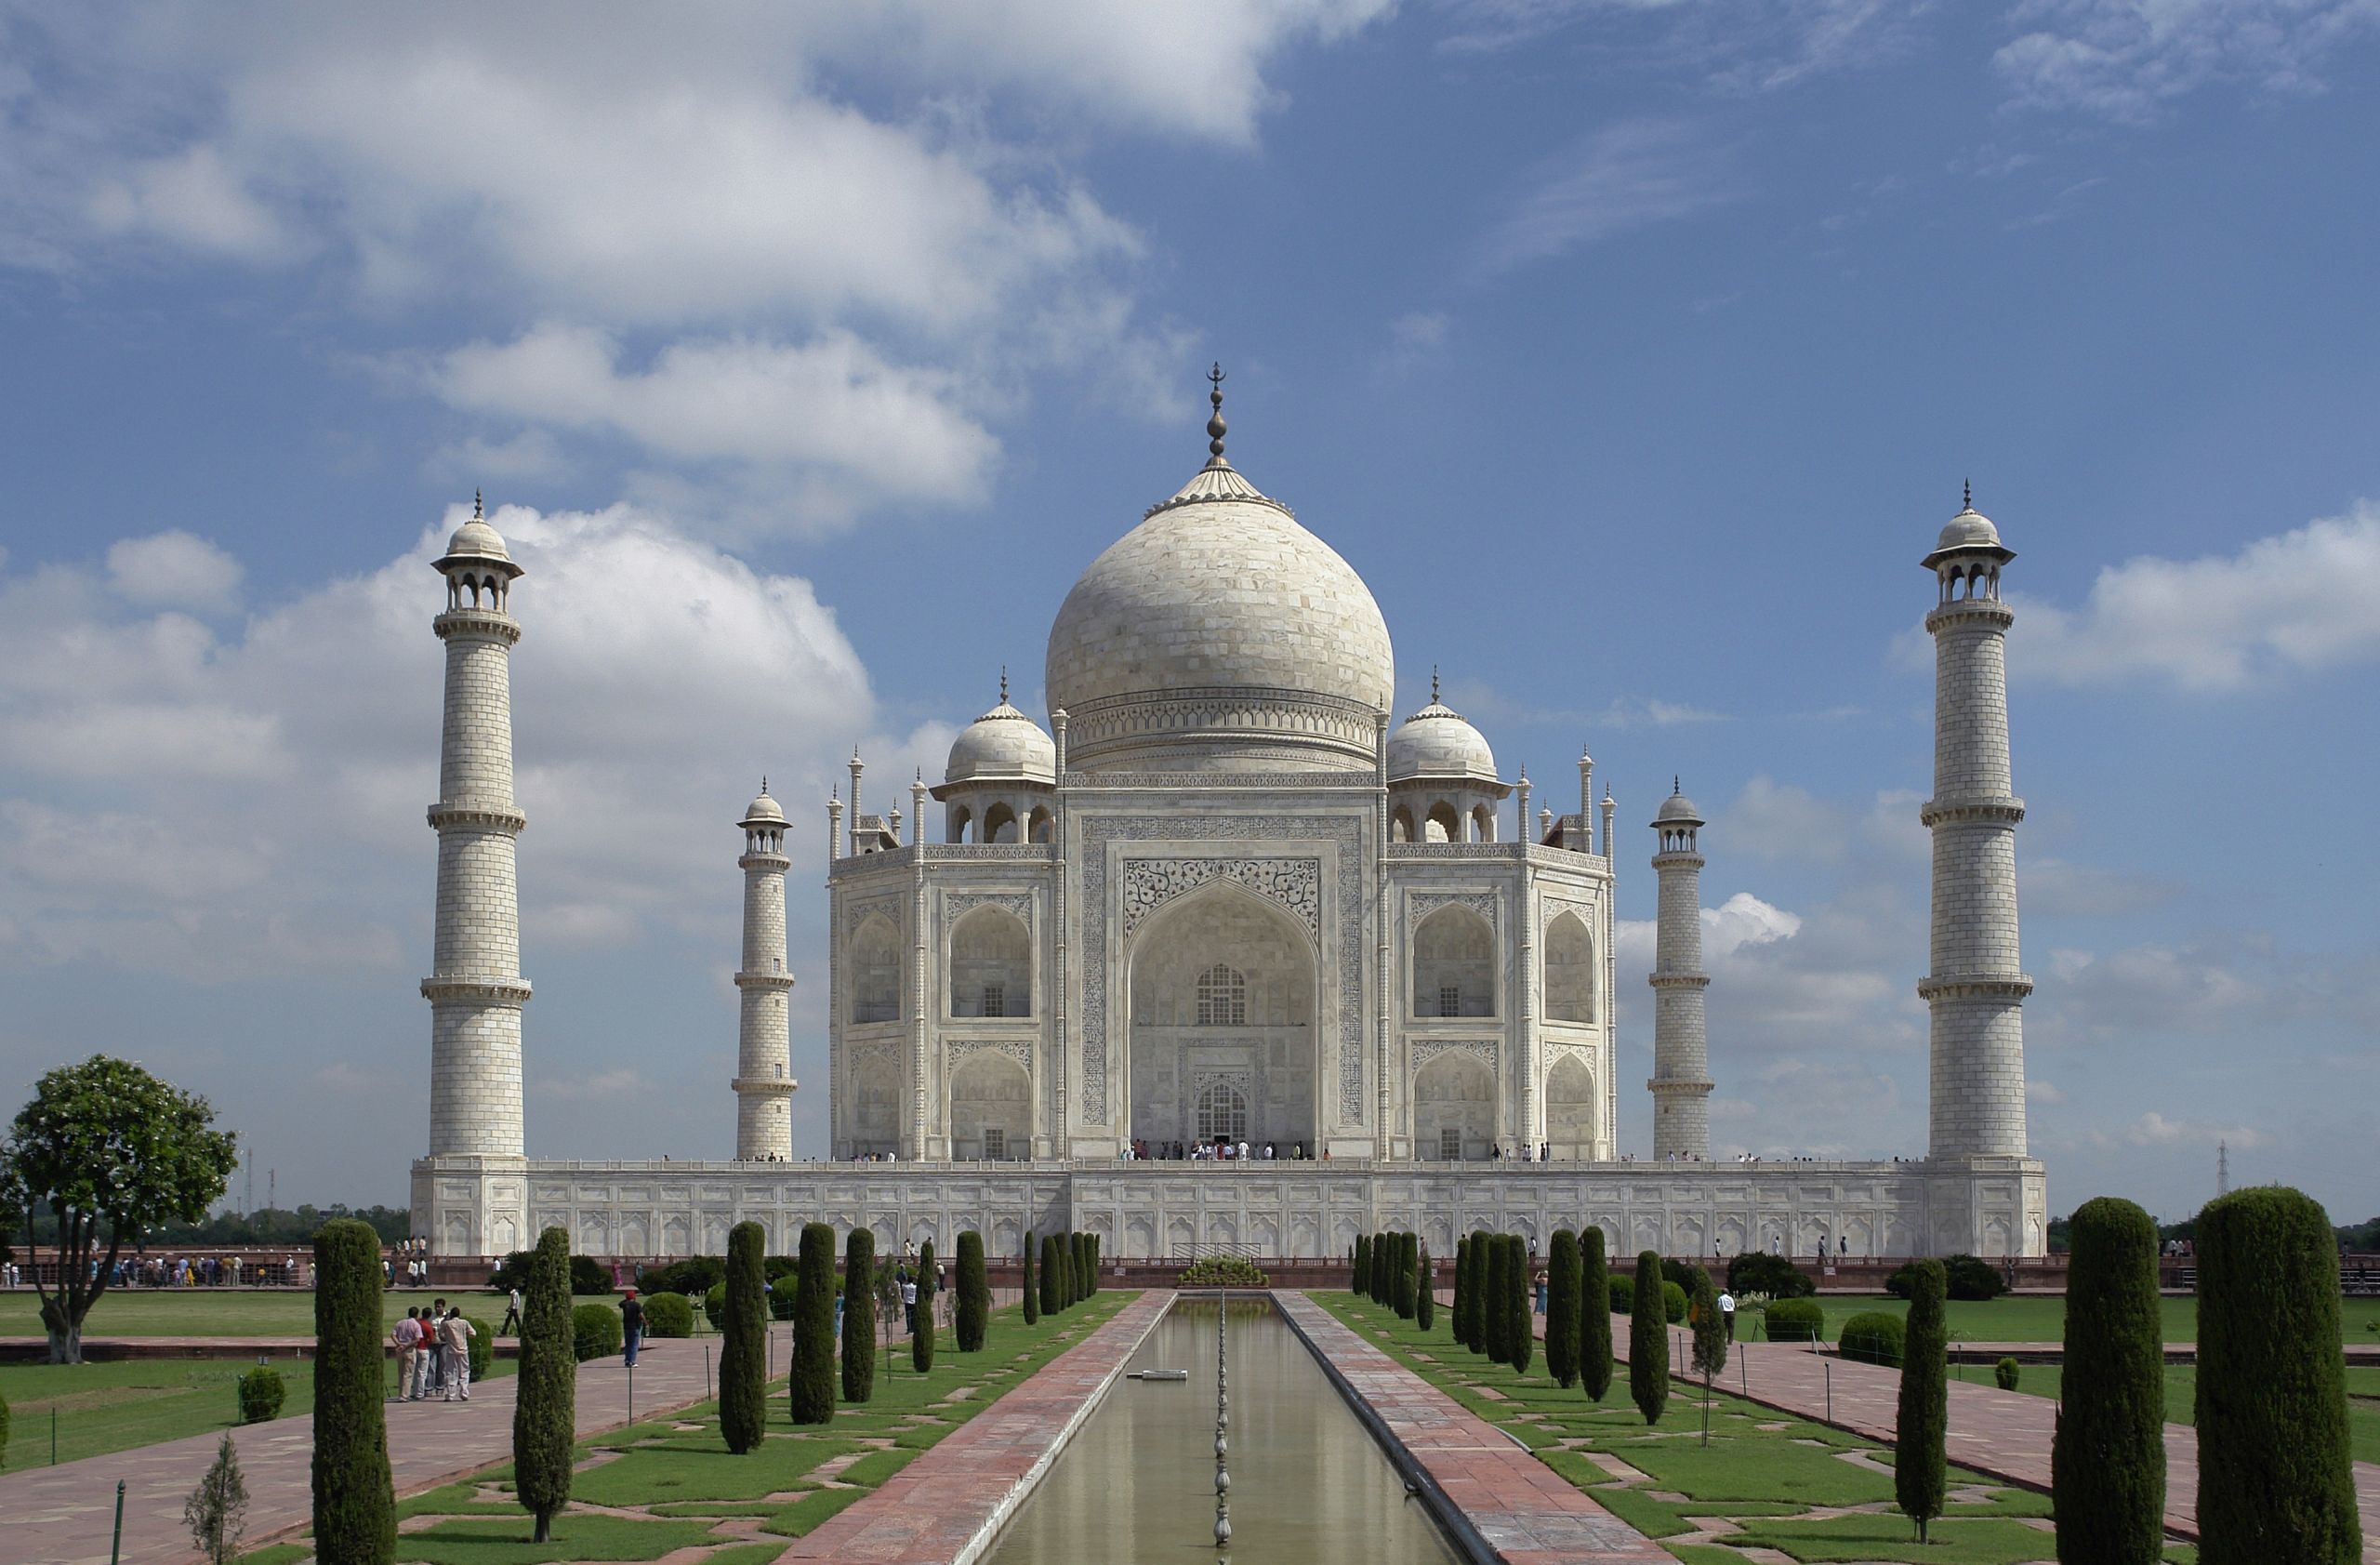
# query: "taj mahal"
1223,895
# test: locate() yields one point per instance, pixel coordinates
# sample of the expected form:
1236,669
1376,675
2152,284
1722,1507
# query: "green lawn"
118,1406
217,1312
2035,1317
679,1482
2181,1390
1760,1476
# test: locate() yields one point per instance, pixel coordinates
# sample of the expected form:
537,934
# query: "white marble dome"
1002,744
1678,810
1220,635
1969,529
762,811
1438,742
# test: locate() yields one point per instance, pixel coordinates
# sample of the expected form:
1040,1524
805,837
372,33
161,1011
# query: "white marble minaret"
1681,1083
475,988
763,1054
1976,988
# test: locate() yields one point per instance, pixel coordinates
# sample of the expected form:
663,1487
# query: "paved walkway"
1521,1510
944,1507
64,1515
2005,1433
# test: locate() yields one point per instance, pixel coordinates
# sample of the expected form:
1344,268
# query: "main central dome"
1219,636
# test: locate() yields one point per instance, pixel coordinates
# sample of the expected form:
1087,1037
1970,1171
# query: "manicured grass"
2181,1394
223,1312
701,1467
578,1535
2037,1318
135,1402
1763,1470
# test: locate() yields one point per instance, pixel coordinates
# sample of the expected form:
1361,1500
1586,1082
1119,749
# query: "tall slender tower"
764,1081
1976,990
475,988
1681,1083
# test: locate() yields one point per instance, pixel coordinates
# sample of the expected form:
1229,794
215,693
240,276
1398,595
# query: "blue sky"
1633,352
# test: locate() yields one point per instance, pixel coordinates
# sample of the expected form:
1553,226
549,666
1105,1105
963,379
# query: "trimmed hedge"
1921,1433
1425,1301
588,1278
921,1332
1495,1320
2108,1451
1875,1338
974,1294
594,1331
859,1316
1520,1340
261,1393
355,1503
692,1277
1968,1279
1649,1345
1622,1289
1796,1320
743,1348
810,1378
1409,1260
1223,1272
666,1315
1756,1271
1674,1302
1360,1283
2005,1373
481,1352
1562,1308
2275,1473
1053,1296
1594,1315
545,1407
1032,1286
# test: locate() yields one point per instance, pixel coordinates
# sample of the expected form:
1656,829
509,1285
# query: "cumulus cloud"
1622,177
2297,603
174,570
2153,1129
2127,59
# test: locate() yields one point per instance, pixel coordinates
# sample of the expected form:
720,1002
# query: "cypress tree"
1064,1271
1362,1282
1475,1292
1648,1341
1594,1314
1562,1310
1921,1480
2107,1454
545,1407
2275,1472
921,1334
1520,1336
1461,1263
1051,1297
811,1379
974,1294
1032,1286
1409,1258
744,1341
1710,1339
1095,1263
1384,1270
859,1316
1425,1302
1493,1317
1080,1260
355,1503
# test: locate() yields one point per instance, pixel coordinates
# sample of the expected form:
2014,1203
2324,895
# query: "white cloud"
1651,711
2047,1094
2153,1129
174,570
1745,920
1625,177
1746,45
2297,602
194,198
2127,59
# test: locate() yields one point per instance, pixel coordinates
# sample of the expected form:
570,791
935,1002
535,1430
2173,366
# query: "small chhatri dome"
762,809
476,540
1677,809
1970,529
1003,745
1437,742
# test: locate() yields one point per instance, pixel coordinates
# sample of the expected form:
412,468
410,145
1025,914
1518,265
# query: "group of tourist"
434,1354
1212,1151
200,1271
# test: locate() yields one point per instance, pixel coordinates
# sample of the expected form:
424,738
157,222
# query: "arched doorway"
1571,1110
1454,1108
991,1107
1223,1009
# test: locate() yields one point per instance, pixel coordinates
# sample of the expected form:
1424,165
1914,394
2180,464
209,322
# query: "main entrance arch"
1223,987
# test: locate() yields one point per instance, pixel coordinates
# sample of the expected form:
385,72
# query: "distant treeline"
271,1225
2362,1238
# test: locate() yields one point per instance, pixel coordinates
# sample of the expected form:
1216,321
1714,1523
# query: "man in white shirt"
1727,1313
408,1339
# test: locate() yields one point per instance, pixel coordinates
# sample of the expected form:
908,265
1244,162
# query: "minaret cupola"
478,568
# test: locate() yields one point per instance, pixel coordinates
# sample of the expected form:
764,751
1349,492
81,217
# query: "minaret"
764,1081
1976,990
475,988
1681,1083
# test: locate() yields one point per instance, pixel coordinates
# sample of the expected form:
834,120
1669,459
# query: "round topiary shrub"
1757,1271
781,1291
589,1277
1673,1302
1795,1321
715,1306
594,1331
261,1394
1222,1271
483,1349
2005,1374
668,1315
1874,1338
1623,1294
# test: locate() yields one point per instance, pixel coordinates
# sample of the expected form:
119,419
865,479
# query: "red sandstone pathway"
2004,1433
946,1507
1526,1512
64,1515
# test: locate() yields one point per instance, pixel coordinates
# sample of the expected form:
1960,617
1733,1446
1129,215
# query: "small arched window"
1223,1114
1222,997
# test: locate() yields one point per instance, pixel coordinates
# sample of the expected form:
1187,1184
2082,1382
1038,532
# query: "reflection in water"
1308,1484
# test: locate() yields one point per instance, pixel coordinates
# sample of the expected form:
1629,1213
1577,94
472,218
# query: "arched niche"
1454,965
1442,825
1400,825
1570,972
876,970
1571,1106
876,1102
1454,1108
1000,822
991,1107
991,964
1223,990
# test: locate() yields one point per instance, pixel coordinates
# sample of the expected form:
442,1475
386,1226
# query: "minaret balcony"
2001,809
471,813
764,980
1679,980
483,624
764,1086
484,989
1976,986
